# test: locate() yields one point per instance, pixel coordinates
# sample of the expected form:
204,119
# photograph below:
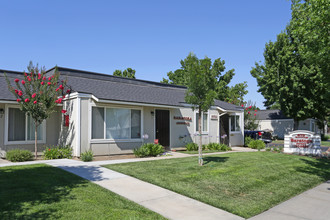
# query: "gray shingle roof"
110,87
270,115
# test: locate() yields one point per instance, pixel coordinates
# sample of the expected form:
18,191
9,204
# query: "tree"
295,70
250,116
201,76
38,94
232,94
128,73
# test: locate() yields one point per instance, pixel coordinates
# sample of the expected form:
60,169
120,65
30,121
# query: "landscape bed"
45,192
244,184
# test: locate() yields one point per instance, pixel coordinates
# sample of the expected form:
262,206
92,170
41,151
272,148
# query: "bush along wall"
18,155
58,152
148,150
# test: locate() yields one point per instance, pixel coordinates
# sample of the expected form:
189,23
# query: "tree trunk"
35,140
200,156
295,124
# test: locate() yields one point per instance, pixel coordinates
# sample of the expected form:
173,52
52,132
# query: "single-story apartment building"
113,115
280,124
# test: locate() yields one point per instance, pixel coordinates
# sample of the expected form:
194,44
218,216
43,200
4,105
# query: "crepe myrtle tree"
250,116
201,79
38,94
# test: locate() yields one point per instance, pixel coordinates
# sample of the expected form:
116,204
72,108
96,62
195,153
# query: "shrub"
149,149
18,155
192,146
87,156
247,140
324,137
257,144
58,152
217,146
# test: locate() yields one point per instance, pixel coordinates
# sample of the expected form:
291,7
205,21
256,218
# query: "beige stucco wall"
68,134
179,134
284,126
53,125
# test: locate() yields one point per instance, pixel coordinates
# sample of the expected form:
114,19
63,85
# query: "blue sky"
148,36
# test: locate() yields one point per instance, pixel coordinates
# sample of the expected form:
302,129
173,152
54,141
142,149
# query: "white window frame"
208,122
105,140
7,142
239,123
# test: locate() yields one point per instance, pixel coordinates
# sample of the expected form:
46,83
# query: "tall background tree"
201,79
232,94
295,73
128,73
38,95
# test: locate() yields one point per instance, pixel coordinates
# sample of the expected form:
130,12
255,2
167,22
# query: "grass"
244,184
44,192
196,151
325,143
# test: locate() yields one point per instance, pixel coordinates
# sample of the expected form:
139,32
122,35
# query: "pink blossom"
255,114
44,78
16,80
242,105
16,91
23,82
29,79
35,102
49,83
39,76
42,83
63,111
248,112
57,89
68,91
27,100
34,95
18,100
50,78
61,87
20,93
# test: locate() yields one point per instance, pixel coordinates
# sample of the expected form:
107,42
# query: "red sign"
156,141
301,140
182,118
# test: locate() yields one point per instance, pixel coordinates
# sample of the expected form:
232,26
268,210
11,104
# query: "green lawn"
245,184
44,192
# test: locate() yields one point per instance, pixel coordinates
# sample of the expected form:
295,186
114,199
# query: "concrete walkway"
313,204
165,202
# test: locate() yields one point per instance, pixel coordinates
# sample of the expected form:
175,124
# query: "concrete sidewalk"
313,204
165,202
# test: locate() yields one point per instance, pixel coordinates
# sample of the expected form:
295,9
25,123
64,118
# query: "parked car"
265,135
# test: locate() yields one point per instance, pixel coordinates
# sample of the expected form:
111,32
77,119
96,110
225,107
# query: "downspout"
78,127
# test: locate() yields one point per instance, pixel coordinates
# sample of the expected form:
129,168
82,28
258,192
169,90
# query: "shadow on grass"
319,167
31,192
216,159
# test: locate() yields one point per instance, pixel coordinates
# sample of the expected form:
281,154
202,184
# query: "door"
224,129
163,127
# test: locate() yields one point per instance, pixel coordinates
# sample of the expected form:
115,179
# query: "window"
21,127
116,123
234,123
204,122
